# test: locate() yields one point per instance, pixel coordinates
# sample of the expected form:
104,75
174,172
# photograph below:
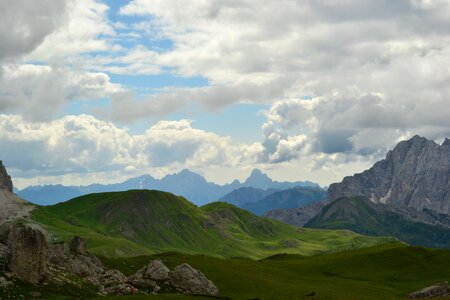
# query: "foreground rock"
146,277
188,280
87,266
25,250
434,291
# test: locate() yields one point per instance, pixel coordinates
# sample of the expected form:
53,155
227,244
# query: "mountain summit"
258,179
415,174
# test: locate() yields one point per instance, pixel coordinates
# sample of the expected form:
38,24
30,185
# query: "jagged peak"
446,142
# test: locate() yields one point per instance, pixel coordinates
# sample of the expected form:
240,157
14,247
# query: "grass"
364,217
142,222
389,271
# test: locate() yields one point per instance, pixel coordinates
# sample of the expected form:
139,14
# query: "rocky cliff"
5,179
415,174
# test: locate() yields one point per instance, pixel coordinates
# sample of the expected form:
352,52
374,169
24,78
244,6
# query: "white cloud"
84,28
40,92
75,145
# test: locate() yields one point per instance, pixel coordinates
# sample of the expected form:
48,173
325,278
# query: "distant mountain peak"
258,179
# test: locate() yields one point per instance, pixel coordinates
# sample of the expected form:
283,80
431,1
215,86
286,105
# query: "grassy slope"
361,216
389,271
146,222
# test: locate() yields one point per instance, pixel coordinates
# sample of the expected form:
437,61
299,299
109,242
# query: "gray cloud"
24,24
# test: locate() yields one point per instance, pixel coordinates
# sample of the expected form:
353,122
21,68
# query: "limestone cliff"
415,174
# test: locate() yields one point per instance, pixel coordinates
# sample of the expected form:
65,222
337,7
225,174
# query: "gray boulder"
188,280
157,270
434,291
145,277
78,245
27,251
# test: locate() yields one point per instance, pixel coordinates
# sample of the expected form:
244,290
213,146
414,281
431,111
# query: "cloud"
24,24
40,92
75,145
84,28
315,49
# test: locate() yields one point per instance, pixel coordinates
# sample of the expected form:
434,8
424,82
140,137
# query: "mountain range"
406,195
260,201
185,183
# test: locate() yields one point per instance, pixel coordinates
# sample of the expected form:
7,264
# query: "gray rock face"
78,245
415,174
188,280
27,251
297,216
434,291
5,179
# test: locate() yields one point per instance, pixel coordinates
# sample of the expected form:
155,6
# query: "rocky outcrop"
415,174
188,280
12,207
78,245
62,262
5,179
26,251
434,291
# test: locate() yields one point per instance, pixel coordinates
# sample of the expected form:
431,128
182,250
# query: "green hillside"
362,216
389,271
142,222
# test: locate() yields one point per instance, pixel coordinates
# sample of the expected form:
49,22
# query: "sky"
104,90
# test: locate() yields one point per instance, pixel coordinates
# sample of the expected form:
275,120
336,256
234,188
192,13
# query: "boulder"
188,280
434,291
157,270
112,277
145,277
78,245
27,251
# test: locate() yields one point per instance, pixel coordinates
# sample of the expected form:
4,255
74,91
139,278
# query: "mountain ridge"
184,183
415,174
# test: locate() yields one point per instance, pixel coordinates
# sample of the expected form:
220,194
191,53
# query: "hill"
389,271
141,222
365,217
290,198
185,183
